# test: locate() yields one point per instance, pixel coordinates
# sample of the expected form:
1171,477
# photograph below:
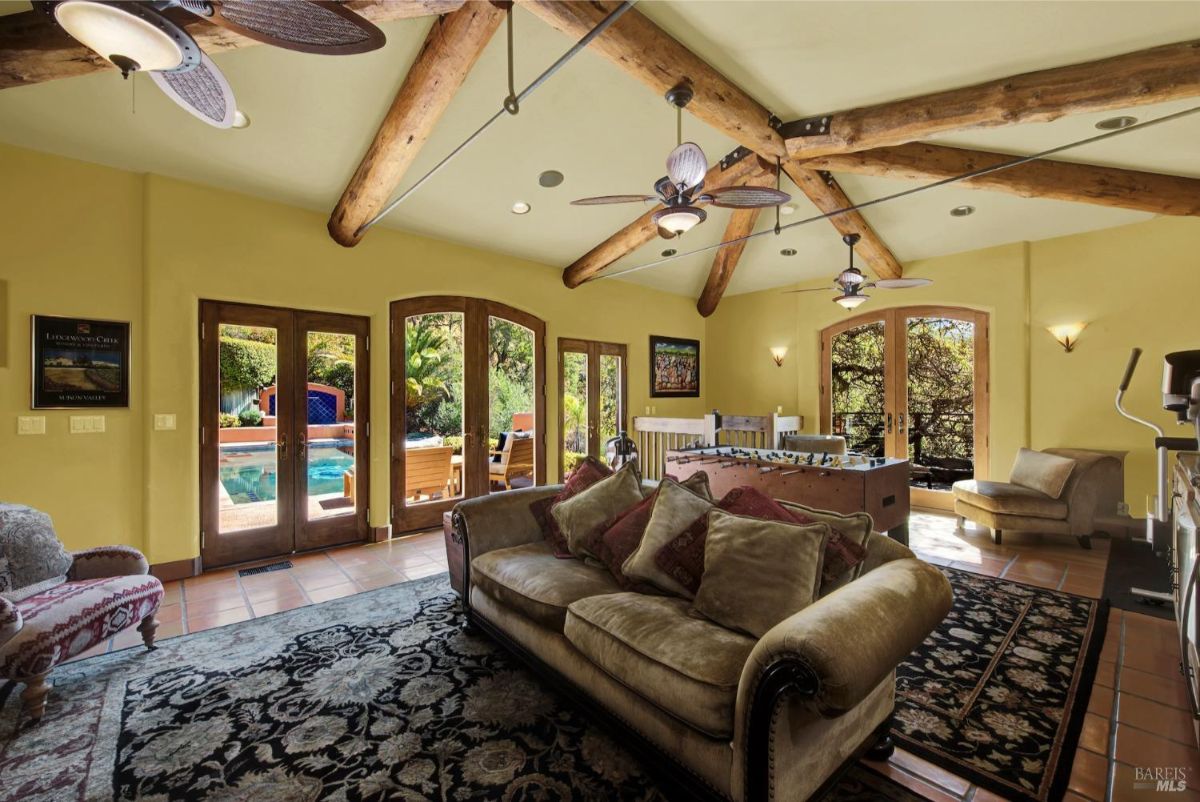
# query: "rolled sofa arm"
10,620
499,520
107,561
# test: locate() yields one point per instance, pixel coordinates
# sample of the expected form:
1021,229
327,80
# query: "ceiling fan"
680,190
140,36
851,282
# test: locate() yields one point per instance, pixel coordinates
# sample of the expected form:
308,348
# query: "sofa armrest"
1095,475
10,620
829,656
499,520
107,561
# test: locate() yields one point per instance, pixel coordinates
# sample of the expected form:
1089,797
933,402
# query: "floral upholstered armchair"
55,604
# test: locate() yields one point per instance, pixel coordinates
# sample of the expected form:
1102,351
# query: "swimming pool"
249,474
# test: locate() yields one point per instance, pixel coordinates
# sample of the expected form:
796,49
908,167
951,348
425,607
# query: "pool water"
249,476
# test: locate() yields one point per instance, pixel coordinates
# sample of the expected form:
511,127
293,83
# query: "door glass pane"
857,357
575,409
329,456
941,401
511,436
247,435
610,399
433,437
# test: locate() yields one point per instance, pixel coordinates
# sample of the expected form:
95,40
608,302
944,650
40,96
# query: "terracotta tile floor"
1137,710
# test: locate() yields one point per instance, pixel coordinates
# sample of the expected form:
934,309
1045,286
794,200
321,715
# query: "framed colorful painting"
79,363
674,367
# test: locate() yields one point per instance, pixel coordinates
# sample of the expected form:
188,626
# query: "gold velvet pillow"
588,513
1046,473
856,526
675,509
759,572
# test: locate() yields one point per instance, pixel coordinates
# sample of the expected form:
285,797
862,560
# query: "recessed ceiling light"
521,207
788,252
670,252
550,178
1116,123
962,211
787,209
240,120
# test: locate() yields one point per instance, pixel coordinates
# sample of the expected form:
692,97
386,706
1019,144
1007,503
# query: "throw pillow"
622,539
675,509
586,474
1045,473
34,553
847,549
6,580
757,572
593,510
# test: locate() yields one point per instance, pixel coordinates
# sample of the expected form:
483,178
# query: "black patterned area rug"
997,694
379,696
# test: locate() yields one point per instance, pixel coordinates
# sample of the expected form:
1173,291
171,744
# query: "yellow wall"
1135,285
75,243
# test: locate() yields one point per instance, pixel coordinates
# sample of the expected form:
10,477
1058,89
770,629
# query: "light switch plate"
164,423
87,424
31,424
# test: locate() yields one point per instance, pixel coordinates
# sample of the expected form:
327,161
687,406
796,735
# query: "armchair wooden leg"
1085,542
997,536
148,627
884,746
34,696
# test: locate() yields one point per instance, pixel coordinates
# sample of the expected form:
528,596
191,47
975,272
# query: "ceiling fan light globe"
680,219
851,277
851,301
116,33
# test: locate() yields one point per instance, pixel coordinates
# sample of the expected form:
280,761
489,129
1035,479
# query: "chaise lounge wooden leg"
1085,541
34,696
884,746
997,536
148,627
962,522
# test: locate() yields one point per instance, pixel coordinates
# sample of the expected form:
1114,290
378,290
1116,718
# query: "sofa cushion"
1009,499
35,555
684,665
675,509
757,572
530,579
62,622
584,516
1046,473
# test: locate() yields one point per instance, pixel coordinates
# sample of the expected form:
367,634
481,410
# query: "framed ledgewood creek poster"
674,367
79,363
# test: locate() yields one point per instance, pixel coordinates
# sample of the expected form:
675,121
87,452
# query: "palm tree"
574,422
426,351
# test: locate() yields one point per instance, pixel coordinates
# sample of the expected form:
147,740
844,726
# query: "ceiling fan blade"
747,197
687,165
602,199
310,26
202,91
812,289
902,283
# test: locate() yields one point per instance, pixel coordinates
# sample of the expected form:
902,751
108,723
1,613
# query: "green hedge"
246,364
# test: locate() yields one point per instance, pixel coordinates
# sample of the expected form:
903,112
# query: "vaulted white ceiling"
312,118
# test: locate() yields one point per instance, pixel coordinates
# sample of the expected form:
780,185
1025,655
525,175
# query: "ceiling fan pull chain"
511,104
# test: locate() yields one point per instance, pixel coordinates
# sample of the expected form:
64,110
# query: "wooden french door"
592,398
284,428
912,383
465,373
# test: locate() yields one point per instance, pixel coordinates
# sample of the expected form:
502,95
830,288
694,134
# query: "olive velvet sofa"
713,713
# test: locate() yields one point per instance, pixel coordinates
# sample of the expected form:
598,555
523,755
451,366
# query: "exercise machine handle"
1130,367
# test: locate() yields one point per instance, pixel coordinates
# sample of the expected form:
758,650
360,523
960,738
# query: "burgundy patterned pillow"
586,474
623,537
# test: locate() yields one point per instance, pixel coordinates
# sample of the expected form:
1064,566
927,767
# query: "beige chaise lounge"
717,713
1055,495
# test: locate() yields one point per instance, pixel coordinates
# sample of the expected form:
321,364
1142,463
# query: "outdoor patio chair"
428,471
516,460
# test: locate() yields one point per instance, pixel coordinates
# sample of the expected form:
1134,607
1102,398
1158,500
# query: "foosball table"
840,483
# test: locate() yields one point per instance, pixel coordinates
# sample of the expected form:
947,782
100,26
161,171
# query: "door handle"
283,446
889,423
300,443
901,429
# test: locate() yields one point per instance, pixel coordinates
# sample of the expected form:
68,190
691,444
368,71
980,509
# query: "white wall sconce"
778,353
1067,334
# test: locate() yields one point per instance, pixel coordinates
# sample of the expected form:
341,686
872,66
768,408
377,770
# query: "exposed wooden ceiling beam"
1156,75
826,195
748,170
451,48
1083,183
741,224
34,49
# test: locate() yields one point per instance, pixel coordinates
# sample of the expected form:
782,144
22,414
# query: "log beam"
451,48
1157,75
826,195
1081,183
748,170
33,48
741,224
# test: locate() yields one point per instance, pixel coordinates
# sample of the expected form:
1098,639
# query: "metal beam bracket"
734,156
809,126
